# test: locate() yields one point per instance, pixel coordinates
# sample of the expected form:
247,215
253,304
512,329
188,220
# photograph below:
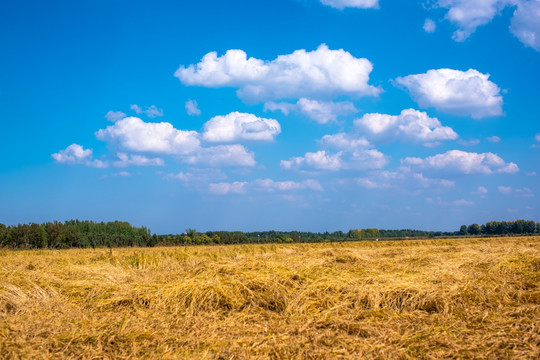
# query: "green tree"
474,229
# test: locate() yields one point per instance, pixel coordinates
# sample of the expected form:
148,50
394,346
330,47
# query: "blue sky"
315,115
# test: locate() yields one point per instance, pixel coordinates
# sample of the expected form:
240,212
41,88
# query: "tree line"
501,228
74,234
89,234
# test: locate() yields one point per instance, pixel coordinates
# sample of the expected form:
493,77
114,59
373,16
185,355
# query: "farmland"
445,298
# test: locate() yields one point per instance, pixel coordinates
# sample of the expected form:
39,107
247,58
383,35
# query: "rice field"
430,299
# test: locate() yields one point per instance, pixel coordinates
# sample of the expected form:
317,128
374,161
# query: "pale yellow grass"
466,298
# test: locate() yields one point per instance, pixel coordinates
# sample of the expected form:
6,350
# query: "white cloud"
457,92
267,185
470,14
224,188
460,202
464,162
524,192
97,164
453,203
321,73
429,26
480,191
362,4
240,126
192,108
197,176
344,141
285,108
358,159
403,178
320,160
537,138
114,115
494,139
410,125
76,154
133,134
526,23
270,185
369,183
151,111
126,160
73,154
355,154
319,111
222,155
366,159
426,182
138,110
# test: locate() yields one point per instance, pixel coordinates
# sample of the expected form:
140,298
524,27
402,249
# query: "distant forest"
89,234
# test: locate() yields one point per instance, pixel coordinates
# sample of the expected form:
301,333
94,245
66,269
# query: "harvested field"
455,298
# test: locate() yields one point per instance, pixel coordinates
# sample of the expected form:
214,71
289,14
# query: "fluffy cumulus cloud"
319,111
494,139
125,160
362,4
114,115
526,23
76,154
73,154
311,74
468,93
429,26
222,155
352,152
359,159
238,126
133,134
192,108
320,160
505,189
410,125
463,162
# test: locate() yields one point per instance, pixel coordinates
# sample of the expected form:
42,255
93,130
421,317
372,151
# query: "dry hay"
473,298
